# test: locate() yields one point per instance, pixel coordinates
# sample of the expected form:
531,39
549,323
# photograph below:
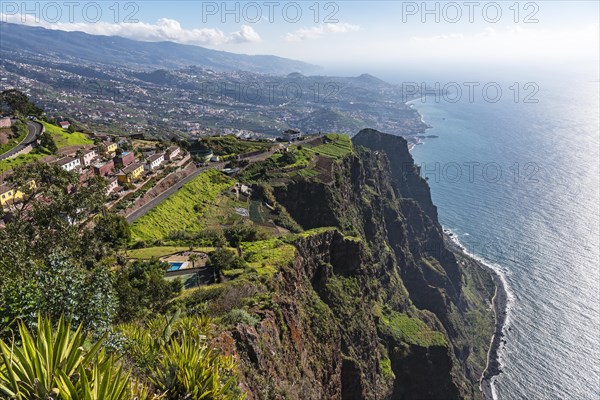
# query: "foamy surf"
501,273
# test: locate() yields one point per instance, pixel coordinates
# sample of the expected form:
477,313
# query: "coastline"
500,308
500,299
500,304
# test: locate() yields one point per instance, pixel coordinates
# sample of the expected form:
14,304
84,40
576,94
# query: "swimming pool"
175,266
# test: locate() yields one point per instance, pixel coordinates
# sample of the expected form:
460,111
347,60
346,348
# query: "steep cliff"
374,305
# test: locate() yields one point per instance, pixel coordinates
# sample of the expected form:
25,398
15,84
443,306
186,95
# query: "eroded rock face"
374,309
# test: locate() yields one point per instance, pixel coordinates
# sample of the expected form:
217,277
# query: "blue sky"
343,33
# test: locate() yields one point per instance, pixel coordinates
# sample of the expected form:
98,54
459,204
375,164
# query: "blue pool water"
175,266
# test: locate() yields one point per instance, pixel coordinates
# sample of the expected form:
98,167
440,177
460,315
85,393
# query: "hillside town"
137,173
113,159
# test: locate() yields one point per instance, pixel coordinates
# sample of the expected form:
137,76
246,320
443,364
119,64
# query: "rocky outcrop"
376,307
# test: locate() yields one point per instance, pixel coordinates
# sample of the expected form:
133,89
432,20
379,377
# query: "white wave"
510,298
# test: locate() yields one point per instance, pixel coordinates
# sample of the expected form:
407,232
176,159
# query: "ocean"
517,182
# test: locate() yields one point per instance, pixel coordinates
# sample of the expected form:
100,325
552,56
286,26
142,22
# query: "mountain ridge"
117,50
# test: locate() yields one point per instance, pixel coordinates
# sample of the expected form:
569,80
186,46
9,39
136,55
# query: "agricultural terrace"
230,145
310,159
183,210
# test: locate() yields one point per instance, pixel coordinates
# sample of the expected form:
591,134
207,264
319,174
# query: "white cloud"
246,35
164,29
318,32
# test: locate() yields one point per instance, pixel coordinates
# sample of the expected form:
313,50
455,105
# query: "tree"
54,214
71,128
142,289
222,260
242,233
19,128
17,102
52,260
184,144
113,230
193,258
47,141
87,297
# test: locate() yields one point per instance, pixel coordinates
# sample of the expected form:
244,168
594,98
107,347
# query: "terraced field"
184,209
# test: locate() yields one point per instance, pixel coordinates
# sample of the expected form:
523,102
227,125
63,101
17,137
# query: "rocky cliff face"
375,307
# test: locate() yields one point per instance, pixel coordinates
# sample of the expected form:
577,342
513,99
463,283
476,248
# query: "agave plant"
176,355
190,369
57,364
103,381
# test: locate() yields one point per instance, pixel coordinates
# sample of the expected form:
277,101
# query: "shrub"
239,316
57,364
242,233
177,357
142,289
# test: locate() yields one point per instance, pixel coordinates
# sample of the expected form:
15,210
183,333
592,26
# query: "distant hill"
80,47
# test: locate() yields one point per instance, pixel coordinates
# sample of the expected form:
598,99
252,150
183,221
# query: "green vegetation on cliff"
336,284
335,145
267,256
313,159
411,330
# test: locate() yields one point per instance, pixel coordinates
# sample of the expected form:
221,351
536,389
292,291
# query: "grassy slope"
182,210
61,137
20,160
64,138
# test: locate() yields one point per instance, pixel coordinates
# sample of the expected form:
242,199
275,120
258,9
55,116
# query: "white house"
172,153
292,134
69,163
111,185
88,157
155,161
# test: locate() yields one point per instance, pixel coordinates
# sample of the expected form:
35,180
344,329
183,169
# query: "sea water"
518,183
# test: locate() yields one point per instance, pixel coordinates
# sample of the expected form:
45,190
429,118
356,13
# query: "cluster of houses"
118,168
123,168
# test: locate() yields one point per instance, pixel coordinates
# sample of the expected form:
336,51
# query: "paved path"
35,128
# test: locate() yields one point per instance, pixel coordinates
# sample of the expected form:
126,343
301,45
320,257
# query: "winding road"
35,129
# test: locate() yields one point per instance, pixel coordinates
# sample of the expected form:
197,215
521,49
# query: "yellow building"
9,195
110,148
6,195
131,173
